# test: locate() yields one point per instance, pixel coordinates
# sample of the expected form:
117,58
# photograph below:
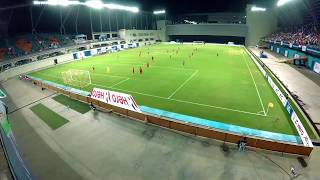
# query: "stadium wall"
208,39
34,66
133,35
238,30
291,53
260,24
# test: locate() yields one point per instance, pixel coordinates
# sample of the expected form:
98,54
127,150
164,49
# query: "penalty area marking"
187,102
119,82
165,98
185,82
254,82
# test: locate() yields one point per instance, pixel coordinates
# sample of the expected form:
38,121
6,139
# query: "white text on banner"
121,100
316,67
301,130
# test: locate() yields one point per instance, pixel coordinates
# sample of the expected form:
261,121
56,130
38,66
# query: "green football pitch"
219,83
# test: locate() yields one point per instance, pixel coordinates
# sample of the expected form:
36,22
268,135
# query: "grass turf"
218,83
51,118
71,103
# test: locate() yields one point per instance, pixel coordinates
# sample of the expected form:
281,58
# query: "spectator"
306,35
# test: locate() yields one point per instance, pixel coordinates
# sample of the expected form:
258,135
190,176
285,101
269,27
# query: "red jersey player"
133,71
140,71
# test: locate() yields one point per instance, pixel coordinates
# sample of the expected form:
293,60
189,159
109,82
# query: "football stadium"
154,90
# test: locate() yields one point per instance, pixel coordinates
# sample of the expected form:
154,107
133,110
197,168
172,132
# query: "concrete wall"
239,30
33,66
133,35
260,24
162,28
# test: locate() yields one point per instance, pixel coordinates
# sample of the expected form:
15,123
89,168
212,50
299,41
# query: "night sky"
50,20
176,6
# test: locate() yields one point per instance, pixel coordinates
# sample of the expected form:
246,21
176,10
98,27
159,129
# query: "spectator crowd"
29,43
307,35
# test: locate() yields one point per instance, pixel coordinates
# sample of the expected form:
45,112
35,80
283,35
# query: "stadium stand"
28,43
307,35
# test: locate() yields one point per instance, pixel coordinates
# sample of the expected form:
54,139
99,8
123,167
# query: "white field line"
101,74
151,66
177,100
255,85
187,102
119,82
160,97
185,82
217,107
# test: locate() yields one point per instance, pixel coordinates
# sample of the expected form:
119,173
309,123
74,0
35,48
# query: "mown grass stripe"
71,103
51,118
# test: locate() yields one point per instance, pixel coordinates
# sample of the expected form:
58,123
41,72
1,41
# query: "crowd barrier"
253,142
294,51
285,99
17,166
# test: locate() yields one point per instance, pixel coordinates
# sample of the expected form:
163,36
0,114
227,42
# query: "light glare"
56,2
254,8
159,12
282,2
96,4
121,7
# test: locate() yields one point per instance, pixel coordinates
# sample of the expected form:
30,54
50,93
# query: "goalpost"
75,77
198,42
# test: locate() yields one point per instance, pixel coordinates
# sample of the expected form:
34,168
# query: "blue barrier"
60,86
222,126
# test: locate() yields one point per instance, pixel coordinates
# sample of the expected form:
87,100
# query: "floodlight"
96,4
159,12
282,2
121,7
56,2
73,3
38,2
254,8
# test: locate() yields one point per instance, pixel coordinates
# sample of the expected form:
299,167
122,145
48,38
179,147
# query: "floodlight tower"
91,4
159,13
260,21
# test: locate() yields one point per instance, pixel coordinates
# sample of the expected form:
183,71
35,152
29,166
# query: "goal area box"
77,78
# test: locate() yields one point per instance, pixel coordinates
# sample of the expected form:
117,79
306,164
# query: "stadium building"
127,90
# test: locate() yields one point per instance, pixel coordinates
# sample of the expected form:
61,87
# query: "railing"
17,167
310,49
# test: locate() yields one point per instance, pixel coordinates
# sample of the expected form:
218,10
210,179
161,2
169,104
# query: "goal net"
78,78
198,42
